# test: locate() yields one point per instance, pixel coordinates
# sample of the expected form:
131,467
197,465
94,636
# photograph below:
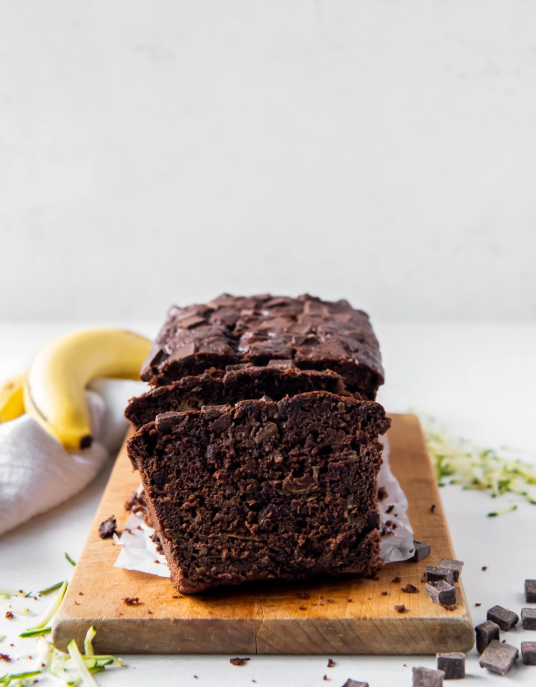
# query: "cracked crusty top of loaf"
314,334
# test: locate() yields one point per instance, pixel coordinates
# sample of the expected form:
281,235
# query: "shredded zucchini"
88,641
459,461
78,661
51,610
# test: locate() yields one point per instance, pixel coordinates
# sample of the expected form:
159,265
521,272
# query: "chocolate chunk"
499,658
9,615
530,591
7,659
409,589
528,652
355,683
426,677
434,573
504,618
528,618
400,608
284,364
166,421
108,528
454,565
222,423
441,592
396,580
485,633
331,663
452,664
238,661
181,352
422,551
131,600
189,321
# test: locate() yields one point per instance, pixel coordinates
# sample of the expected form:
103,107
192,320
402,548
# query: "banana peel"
12,398
54,385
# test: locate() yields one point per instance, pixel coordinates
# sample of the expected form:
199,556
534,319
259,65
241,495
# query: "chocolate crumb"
503,641
384,593
484,567
350,601
450,607
409,589
80,593
9,615
331,663
400,608
432,508
131,600
302,608
157,562
390,509
108,528
76,603
478,604
195,677
330,601
325,678
303,595
382,493
149,611
5,657
177,596
238,661
396,580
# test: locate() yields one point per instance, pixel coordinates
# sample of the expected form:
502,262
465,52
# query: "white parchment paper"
138,551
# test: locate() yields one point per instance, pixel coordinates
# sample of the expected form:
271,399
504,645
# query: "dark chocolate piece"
280,490
409,589
452,664
499,658
441,592
108,528
305,331
426,677
485,633
504,618
355,683
422,551
215,388
530,591
454,565
434,573
528,618
528,652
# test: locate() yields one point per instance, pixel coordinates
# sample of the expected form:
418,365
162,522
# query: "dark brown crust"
264,490
314,334
215,388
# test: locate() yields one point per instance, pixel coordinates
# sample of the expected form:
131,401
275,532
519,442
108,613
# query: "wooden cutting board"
343,616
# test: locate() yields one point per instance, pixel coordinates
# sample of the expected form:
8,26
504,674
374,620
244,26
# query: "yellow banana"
59,373
11,398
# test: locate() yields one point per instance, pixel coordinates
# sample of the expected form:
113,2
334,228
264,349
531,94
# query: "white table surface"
479,379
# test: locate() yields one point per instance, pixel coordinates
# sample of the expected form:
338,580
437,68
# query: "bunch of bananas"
52,389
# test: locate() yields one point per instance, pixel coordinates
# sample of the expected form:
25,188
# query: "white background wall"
167,150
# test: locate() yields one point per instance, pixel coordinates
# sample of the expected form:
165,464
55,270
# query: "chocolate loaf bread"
314,334
264,490
238,383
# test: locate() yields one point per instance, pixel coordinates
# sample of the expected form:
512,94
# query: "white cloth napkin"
37,473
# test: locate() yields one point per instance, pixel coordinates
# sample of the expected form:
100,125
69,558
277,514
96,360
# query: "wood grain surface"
342,616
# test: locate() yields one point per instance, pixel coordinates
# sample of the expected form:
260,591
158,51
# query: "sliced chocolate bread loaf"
238,383
264,490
